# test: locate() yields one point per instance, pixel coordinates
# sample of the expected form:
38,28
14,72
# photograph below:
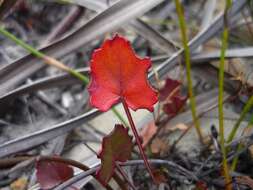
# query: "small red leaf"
200,185
174,106
171,97
168,88
117,146
118,74
50,174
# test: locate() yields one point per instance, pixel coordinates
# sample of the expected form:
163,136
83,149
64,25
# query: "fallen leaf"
19,184
159,176
50,174
117,146
118,74
179,126
159,147
148,132
245,180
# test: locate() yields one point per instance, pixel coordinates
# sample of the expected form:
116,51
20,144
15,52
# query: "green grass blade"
183,29
245,110
225,35
21,43
240,146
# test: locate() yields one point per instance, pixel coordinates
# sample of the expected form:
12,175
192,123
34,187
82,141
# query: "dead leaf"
19,184
148,132
179,126
160,176
159,147
245,180
50,173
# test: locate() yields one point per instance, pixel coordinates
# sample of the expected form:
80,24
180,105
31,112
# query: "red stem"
138,140
121,171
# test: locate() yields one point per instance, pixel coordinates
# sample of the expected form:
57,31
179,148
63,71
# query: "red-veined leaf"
50,174
117,146
118,74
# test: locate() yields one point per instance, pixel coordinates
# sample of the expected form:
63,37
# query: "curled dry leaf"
118,74
117,146
50,174
148,132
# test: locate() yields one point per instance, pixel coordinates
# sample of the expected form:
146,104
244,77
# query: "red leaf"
200,185
172,99
174,106
118,74
50,174
168,88
117,146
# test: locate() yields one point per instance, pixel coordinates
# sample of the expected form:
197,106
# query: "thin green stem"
236,158
240,146
220,98
21,43
80,76
41,55
183,28
245,110
220,107
138,140
121,118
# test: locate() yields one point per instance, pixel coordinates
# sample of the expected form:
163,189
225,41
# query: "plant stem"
220,98
188,68
21,43
138,140
235,159
121,171
245,110
120,117
240,146
220,108
54,62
